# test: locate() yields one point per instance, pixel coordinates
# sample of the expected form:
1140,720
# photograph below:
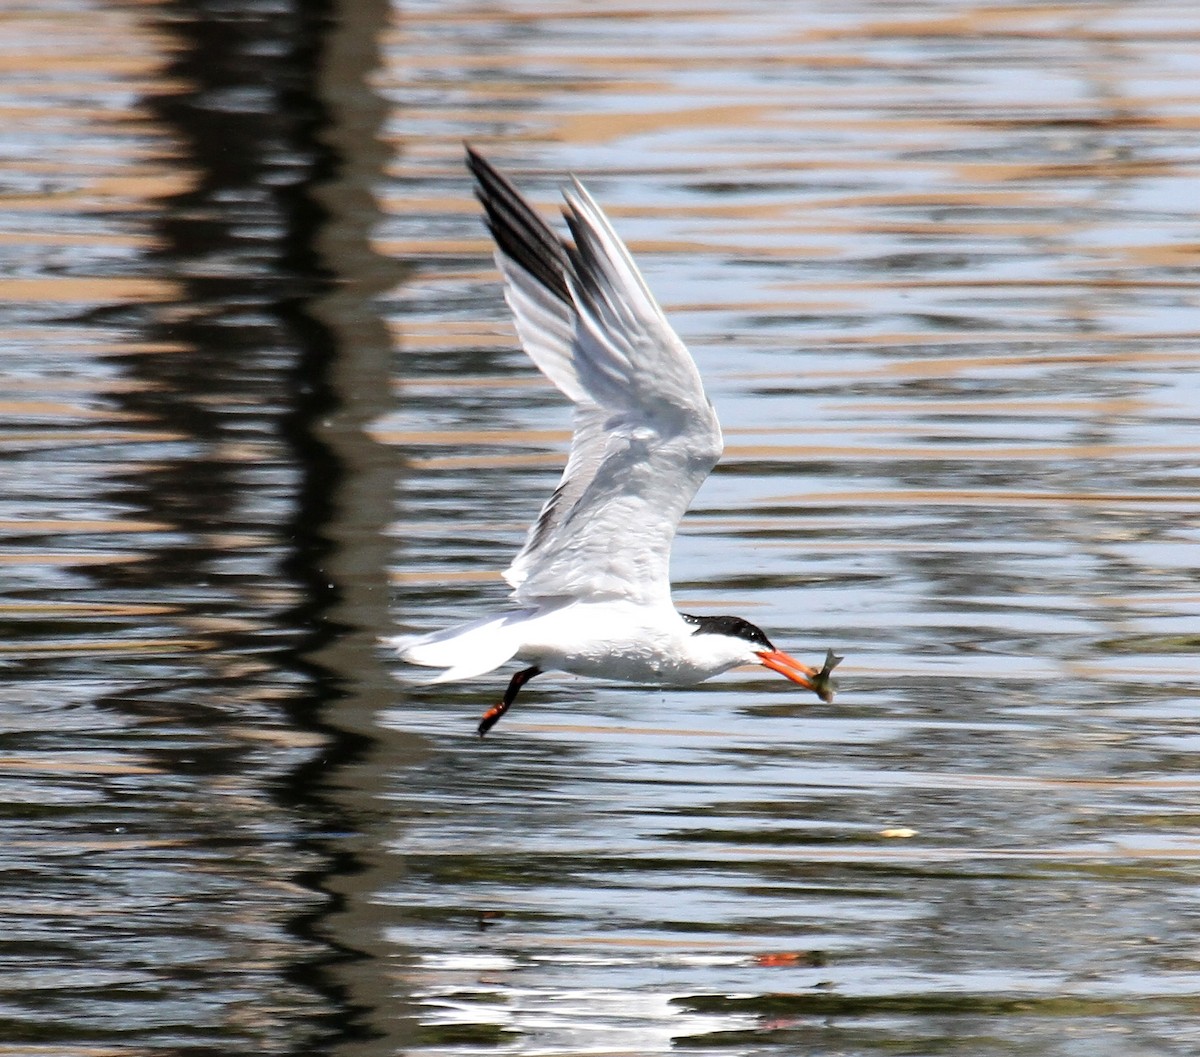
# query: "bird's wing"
645,435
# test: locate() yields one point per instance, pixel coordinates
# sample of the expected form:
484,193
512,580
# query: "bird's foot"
491,717
822,681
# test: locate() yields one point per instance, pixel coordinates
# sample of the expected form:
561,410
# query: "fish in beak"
817,680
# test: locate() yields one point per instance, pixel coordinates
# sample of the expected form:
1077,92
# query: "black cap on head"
734,627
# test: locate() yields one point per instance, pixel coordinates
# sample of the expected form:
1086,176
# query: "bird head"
748,644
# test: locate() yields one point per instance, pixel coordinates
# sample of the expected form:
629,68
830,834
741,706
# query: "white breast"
628,642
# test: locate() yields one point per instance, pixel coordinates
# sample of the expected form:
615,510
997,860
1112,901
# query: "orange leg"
492,716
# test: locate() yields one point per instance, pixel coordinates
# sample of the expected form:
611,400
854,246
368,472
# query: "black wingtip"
520,233
474,158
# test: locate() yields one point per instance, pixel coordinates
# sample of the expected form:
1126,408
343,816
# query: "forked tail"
463,651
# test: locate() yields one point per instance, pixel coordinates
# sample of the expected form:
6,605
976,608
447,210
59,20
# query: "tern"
591,591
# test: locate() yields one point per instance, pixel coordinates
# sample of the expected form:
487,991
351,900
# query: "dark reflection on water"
166,738
250,382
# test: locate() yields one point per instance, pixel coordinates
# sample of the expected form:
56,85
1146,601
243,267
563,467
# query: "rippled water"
937,263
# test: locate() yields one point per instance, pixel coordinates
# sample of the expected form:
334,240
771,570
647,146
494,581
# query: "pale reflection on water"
937,264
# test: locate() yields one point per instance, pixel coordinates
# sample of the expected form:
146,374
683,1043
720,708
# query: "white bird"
591,586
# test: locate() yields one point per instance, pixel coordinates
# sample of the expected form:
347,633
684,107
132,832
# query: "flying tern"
591,591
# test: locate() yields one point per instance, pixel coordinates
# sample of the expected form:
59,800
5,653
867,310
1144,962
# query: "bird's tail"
463,651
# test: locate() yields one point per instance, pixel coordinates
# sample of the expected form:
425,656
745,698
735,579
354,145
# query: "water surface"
937,264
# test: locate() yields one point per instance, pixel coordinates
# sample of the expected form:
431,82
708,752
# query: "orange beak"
780,662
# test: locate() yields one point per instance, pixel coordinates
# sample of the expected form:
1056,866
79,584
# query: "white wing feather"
645,435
